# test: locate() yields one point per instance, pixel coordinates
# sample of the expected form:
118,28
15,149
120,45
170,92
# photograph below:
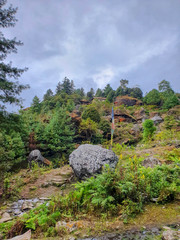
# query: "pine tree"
59,88
59,134
48,95
36,107
99,93
10,88
68,86
106,90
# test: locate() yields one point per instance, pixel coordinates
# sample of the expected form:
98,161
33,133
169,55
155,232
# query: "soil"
46,185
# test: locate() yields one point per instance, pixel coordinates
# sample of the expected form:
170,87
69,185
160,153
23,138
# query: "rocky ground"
39,185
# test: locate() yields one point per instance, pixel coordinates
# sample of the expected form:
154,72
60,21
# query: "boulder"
170,234
5,217
127,101
151,162
25,236
157,119
140,115
88,160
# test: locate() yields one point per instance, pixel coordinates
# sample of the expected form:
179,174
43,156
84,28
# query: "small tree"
90,94
59,88
148,129
170,102
99,93
92,113
153,98
48,95
110,96
136,93
104,125
59,134
124,83
164,86
36,106
106,90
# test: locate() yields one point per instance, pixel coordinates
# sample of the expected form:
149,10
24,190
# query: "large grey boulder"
88,160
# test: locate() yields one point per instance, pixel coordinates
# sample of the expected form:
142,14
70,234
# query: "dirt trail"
47,184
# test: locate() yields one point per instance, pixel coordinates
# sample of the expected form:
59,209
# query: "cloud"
97,42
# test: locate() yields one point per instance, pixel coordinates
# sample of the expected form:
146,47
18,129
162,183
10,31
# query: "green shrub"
92,113
148,129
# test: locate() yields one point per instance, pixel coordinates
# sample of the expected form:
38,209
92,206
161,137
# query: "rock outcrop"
127,101
140,115
88,160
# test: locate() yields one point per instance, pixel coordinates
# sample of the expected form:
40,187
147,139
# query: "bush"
170,102
148,129
12,150
92,113
104,125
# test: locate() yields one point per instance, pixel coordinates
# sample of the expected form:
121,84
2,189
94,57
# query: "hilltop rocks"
88,160
127,101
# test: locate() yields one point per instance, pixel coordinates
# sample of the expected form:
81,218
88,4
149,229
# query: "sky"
96,42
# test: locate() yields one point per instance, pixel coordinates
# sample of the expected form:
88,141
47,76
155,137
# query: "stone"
26,206
157,119
5,217
126,100
25,236
169,235
70,226
88,160
150,162
140,115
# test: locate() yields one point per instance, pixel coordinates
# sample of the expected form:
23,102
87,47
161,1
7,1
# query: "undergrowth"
121,192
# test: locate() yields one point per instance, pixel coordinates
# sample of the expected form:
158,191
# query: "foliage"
148,129
36,106
124,190
12,150
110,96
107,90
66,86
90,94
92,113
48,95
57,136
9,86
170,101
136,93
88,129
99,93
153,98
169,122
164,86
104,125
13,136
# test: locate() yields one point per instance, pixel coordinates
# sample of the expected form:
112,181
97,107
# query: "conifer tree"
48,95
10,88
59,134
59,88
36,107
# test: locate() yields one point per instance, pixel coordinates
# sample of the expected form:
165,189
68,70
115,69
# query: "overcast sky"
95,42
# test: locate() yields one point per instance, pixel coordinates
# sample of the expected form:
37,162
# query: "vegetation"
149,129
71,117
10,88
